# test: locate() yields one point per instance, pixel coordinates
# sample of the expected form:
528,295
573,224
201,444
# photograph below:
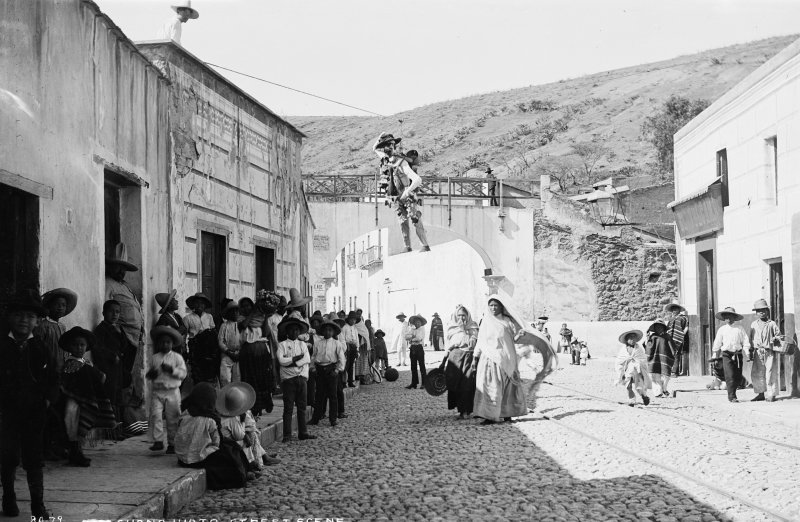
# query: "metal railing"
351,260
370,257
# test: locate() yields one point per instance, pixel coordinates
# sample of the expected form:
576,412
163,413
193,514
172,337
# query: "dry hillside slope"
511,130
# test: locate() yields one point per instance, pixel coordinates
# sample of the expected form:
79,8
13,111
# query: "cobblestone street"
401,455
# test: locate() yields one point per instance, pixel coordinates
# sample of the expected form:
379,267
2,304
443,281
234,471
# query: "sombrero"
70,296
401,315
435,382
340,322
671,307
729,311
761,304
198,295
289,321
186,4
419,319
164,299
235,398
657,322
386,138
120,257
336,328
27,301
158,331
637,333
380,333
296,300
543,318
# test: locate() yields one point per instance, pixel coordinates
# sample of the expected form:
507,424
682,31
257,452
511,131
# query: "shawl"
626,364
363,332
531,340
460,335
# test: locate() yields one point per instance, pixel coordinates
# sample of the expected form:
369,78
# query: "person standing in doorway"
400,345
436,337
415,336
183,13
732,340
677,330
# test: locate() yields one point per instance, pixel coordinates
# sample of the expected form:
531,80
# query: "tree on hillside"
564,170
588,153
660,128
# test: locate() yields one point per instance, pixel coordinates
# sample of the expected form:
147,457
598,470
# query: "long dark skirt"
460,380
255,366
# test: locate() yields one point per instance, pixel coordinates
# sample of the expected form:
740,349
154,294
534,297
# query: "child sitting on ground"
234,402
84,403
167,371
630,368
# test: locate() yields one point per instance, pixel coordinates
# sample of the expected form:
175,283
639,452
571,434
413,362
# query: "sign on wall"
321,242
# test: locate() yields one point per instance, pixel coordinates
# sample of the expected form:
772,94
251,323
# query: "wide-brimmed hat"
289,321
674,305
70,296
638,333
231,305
435,314
435,382
401,315
186,4
164,299
296,300
316,319
336,328
419,319
543,318
27,300
74,333
760,305
385,138
120,257
158,331
235,398
199,295
340,322
657,322
352,315
729,311
380,333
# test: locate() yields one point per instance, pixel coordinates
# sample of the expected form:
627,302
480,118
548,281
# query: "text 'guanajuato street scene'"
314,261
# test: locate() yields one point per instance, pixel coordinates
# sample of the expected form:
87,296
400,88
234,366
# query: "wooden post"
376,198
449,201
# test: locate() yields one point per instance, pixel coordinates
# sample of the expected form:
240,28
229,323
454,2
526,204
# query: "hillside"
512,130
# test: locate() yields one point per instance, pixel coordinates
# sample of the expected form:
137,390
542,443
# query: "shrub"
660,128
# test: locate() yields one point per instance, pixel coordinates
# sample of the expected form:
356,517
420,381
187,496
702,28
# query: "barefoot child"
167,371
630,368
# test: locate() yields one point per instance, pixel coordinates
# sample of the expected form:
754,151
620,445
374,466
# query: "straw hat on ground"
235,398
68,295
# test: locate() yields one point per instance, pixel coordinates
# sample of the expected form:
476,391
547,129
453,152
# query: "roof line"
215,73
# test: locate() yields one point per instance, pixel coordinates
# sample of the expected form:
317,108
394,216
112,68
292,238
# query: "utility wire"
293,89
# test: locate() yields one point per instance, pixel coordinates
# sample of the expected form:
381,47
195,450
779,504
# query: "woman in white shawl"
460,338
499,392
630,367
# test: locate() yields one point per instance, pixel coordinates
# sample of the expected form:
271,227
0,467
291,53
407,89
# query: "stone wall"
587,273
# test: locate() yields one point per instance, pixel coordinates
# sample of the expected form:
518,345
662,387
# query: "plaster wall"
757,223
77,98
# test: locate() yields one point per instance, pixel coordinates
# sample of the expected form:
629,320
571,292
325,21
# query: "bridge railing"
370,257
366,186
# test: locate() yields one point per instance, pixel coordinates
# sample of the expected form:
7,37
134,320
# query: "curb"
171,499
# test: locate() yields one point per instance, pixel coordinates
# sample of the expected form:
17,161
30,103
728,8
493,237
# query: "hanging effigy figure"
400,182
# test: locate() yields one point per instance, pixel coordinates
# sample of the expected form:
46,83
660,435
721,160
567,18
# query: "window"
265,268
772,164
722,173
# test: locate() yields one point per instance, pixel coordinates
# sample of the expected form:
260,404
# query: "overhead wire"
293,89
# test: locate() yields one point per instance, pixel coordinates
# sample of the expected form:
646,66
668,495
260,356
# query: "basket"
391,374
783,346
435,382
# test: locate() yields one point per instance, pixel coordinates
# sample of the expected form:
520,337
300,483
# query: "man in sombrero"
403,183
732,340
183,13
677,330
131,318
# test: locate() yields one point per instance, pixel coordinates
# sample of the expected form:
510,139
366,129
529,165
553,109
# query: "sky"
389,57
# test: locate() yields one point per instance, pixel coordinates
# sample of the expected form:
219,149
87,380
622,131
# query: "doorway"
776,303
213,273
265,268
705,309
19,235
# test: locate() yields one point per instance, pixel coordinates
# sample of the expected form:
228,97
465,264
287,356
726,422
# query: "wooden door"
777,308
19,237
705,309
213,271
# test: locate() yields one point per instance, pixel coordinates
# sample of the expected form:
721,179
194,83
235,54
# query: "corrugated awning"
699,213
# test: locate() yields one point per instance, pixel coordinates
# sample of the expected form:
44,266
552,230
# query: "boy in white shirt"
731,339
167,371
329,358
293,359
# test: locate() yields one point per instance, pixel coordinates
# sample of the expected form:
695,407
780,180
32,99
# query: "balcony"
351,261
370,257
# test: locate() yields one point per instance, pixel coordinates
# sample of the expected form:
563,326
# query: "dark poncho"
460,380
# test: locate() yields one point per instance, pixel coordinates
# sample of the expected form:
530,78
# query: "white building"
737,194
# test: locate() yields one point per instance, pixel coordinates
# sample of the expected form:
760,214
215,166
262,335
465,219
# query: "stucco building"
240,221
736,196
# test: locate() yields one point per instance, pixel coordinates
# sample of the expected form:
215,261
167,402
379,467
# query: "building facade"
736,194
240,221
